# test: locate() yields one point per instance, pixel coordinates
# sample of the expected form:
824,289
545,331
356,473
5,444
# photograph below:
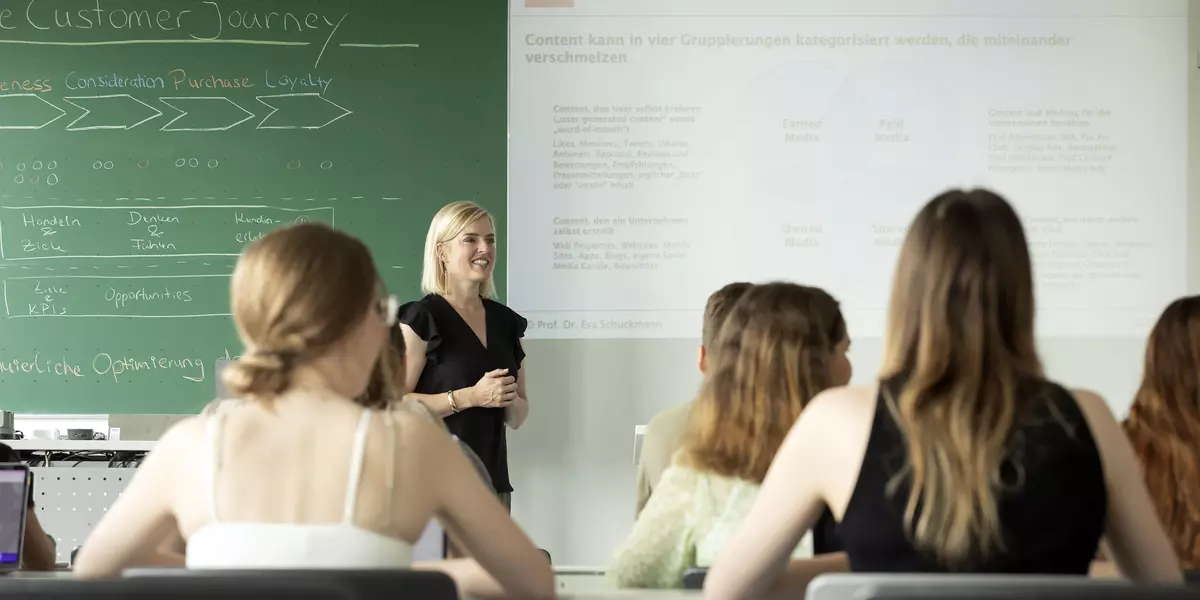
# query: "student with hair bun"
309,467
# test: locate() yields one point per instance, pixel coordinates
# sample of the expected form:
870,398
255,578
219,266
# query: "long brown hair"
770,357
960,337
1164,425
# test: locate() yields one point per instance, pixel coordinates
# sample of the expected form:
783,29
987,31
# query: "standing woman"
463,350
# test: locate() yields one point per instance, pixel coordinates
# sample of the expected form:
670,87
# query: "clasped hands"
496,389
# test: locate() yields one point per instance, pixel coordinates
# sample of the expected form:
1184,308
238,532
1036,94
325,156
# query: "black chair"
174,589
693,578
365,584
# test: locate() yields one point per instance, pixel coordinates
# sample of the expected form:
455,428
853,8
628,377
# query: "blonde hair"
959,341
771,356
447,224
296,292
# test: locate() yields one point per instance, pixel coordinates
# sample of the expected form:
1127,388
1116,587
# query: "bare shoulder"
834,416
417,424
1090,400
850,402
183,448
1096,410
186,433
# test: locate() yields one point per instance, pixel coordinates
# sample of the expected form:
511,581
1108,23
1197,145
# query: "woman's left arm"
516,413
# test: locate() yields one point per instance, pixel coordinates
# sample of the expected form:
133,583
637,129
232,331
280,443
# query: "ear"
702,360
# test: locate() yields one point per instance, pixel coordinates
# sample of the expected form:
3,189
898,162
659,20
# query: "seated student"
295,473
781,345
39,549
664,433
964,457
1164,425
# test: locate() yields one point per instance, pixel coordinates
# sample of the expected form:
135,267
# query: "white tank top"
245,545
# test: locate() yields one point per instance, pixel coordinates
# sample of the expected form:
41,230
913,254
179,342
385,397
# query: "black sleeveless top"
1052,515
455,359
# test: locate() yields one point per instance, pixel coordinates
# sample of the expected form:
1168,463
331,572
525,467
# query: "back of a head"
960,337
717,308
296,293
770,357
1164,424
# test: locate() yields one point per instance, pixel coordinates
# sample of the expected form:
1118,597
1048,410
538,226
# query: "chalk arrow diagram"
112,111
204,113
308,110
27,111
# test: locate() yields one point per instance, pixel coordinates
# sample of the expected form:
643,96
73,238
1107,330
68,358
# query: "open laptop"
15,481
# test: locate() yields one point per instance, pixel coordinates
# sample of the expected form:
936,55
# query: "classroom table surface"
34,445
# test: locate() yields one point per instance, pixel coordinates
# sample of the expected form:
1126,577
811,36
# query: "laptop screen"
12,514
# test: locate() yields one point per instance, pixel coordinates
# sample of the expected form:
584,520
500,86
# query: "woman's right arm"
1134,537
661,547
504,560
414,364
496,389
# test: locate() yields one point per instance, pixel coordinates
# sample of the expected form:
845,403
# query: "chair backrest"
175,589
871,586
693,578
357,585
1192,577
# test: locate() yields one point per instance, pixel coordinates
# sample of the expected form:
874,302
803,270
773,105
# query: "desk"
71,495
80,445
61,574
579,579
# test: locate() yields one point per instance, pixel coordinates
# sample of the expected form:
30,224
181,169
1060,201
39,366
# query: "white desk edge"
81,445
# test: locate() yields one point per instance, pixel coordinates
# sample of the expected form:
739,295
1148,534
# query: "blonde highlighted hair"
770,357
959,341
295,293
447,224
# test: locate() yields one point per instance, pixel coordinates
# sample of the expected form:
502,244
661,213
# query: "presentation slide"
660,149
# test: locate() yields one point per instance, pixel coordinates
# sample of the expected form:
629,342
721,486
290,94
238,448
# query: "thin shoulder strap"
356,461
212,435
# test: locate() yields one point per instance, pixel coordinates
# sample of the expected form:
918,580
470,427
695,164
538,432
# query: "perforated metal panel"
70,500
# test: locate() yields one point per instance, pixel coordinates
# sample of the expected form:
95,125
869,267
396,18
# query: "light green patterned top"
686,523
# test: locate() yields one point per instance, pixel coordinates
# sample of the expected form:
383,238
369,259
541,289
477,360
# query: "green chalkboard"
144,143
